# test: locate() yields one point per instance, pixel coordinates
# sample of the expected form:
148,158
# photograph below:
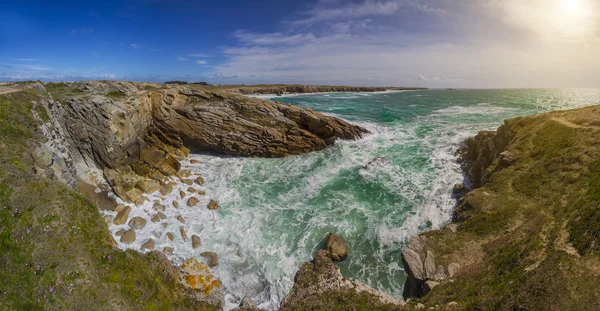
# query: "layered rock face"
244,126
135,131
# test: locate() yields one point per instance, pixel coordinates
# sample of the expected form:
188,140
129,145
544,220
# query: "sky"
429,43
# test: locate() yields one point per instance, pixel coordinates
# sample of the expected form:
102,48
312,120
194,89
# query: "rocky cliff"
301,89
526,236
134,131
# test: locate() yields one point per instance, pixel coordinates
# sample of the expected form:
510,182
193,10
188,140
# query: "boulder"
191,202
135,196
128,236
149,245
168,250
191,190
213,205
148,185
165,190
175,204
122,216
137,223
170,236
459,189
180,219
162,215
188,182
336,247
199,181
155,218
181,194
184,173
192,161
184,236
120,232
195,241
211,258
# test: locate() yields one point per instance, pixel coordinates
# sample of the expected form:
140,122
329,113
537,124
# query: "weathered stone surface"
459,189
165,190
213,205
148,185
193,201
134,195
149,245
128,237
184,173
188,182
137,223
320,281
122,216
196,275
211,258
336,247
195,241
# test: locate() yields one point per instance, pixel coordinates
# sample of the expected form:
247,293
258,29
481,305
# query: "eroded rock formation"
133,132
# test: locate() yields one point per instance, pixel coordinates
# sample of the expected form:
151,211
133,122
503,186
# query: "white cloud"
181,58
135,45
95,54
201,62
433,43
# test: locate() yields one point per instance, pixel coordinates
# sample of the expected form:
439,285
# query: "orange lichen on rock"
198,276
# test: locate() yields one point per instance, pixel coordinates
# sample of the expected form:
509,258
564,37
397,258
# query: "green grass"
54,244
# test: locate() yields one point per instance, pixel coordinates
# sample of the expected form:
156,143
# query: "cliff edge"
526,236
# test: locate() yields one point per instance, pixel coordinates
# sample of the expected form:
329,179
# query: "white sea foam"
275,212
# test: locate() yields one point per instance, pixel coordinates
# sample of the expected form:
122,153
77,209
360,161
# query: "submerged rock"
149,245
193,201
213,205
195,241
336,247
211,258
137,223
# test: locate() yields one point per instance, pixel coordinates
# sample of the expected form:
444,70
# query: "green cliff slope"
528,237
55,250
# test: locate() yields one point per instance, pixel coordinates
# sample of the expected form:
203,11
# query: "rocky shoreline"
524,228
133,140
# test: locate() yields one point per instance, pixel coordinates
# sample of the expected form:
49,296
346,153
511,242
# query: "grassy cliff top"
528,238
55,250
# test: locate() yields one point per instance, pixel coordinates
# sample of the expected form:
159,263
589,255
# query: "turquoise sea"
276,212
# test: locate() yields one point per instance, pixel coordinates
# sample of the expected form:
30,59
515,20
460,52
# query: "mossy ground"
537,222
55,250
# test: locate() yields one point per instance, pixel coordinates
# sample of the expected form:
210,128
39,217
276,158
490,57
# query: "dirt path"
6,90
573,125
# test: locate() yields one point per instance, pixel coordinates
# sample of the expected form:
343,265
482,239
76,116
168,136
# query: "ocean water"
275,213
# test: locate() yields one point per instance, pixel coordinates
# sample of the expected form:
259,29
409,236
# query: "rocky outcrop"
336,247
301,89
319,285
237,125
420,265
135,135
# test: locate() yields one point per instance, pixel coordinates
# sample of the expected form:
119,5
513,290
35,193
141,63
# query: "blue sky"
434,43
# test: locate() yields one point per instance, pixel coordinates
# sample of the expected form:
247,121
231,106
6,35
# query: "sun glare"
572,6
